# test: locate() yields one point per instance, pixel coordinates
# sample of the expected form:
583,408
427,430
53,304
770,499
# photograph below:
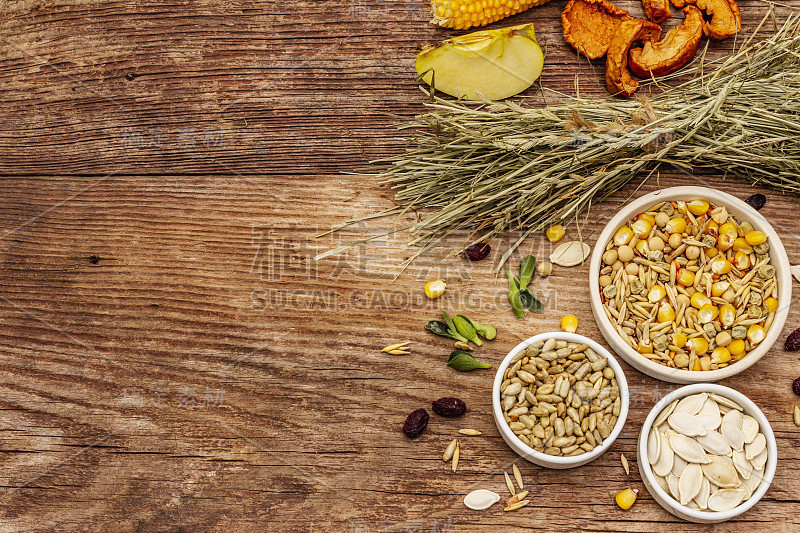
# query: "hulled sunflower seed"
509,484
518,477
470,432
625,465
450,450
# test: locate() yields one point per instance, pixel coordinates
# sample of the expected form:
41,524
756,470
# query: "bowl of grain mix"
690,284
560,399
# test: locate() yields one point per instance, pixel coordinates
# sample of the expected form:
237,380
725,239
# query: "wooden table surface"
172,357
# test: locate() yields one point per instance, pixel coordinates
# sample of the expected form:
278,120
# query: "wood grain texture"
172,358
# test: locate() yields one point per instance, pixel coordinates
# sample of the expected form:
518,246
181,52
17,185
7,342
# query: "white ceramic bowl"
542,459
668,502
743,212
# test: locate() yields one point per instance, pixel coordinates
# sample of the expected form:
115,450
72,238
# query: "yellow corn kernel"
724,242
699,299
728,233
642,227
720,355
666,313
707,313
698,207
680,206
712,252
650,218
712,228
740,245
645,346
656,294
676,225
435,288
626,498
755,237
569,323
463,14
685,277
756,334
741,260
641,247
697,345
737,348
727,314
678,339
772,304
720,266
623,236
719,288
555,233
696,366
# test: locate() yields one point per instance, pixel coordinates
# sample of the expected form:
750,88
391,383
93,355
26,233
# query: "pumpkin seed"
686,424
725,499
721,472
750,428
713,442
570,253
742,465
722,400
688,448
758,445
678,464
653,446
702,496
691,404
663,466
689,483
481,499
759,460
672,483
662,417
732,434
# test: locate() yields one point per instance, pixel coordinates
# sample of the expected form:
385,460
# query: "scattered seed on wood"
797,415
625,465
456,455
470,432
509,484
518,477
517,505
450,450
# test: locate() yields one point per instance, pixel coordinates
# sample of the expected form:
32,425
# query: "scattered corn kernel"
707,313
772,304
626,498
699,299
737,348
569,323
555,233
720,355
676,225
685,277
623,236
435,288
678,339
656,294
642,227
698,345
727,315
666,313
698,207
755,237
718,288
720,266
741,245
756,334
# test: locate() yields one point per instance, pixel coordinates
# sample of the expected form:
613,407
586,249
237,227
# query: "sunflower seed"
517,505
456,455
518,477
625,465
690,482
509,484
471,432
796,415
481,499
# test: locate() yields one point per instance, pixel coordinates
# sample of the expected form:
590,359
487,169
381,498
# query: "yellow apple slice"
489,64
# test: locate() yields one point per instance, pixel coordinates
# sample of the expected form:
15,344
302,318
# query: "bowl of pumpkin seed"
690,284
707,453
560,399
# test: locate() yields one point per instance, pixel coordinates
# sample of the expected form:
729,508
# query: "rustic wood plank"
173,358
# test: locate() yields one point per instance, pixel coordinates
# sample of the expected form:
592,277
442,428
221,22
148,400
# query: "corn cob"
463,14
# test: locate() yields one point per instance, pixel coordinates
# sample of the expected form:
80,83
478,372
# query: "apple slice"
489,64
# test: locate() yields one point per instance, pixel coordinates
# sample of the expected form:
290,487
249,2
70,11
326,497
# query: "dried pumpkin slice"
618,79
726,20
491,64
656,10
589,24
674,51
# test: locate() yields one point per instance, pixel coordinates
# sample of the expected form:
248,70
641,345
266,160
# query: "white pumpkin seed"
693,505
691,404
753,482
721,472
742,465
662,482
758,445
750,428
653,446
688,449
721,400
759,460
678,464
725,499
481,499
732,434
570,253
733,418
690,482
662,416
664,464
709,415
703,494
672,483
713,442
686,424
